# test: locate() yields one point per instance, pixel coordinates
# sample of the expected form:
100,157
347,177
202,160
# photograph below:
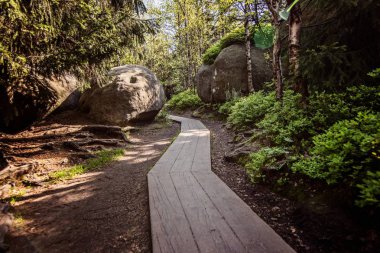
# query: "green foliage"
103,157
248,111
346,152
234,37
286,122
264,37
370,190
327,108
375,73
226,108
187,99
52,37
162,115
324,67
265,159
211,53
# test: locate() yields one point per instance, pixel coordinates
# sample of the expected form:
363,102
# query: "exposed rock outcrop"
134,94
33,99
228,74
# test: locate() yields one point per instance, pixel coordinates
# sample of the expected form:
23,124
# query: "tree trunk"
294,48
248,46
274,7
277,72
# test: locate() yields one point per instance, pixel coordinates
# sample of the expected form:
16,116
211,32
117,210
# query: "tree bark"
248,45
295,22
274,7
277,71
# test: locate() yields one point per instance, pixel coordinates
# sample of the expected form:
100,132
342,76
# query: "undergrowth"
336,139
103,157
187,99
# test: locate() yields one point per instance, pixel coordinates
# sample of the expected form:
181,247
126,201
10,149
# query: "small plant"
226,108
18,219
285,123
369,190
266,158
103,157
374,73
248,111
16,195
187,99
347,153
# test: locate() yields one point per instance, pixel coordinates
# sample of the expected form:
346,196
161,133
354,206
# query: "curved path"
192,210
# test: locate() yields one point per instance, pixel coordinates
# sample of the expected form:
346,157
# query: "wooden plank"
192,210
248,226
210,230
170,228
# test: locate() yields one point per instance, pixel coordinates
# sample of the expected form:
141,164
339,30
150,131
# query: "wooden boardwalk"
192,210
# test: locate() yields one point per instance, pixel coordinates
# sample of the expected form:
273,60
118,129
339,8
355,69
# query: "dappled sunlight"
80,204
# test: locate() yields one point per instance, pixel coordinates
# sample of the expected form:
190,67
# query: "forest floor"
106,210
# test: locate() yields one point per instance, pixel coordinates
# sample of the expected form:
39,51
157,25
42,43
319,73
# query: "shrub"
266,158
247,111
285,123
346,153
187,99
370,190
327,108
226,108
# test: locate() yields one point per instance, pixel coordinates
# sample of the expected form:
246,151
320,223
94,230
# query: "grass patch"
103,157
16,195
18,219
187,99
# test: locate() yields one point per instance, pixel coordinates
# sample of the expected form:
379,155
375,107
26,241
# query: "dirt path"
101,211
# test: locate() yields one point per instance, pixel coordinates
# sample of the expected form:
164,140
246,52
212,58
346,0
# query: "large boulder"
228,75
32,99
134,94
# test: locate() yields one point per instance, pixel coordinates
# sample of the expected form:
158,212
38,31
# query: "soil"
303,228
105,210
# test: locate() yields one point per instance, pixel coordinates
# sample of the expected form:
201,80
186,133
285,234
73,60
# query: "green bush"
248,111
266,158
370,190
285,123
226,108
187,99
327,108
346,153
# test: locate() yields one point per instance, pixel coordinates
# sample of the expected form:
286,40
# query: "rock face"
134,94
228,75
27,102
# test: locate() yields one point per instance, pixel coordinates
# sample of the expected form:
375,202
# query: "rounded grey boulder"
228,76
134,94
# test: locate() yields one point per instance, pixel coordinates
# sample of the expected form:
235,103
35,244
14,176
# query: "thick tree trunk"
295,22
248,46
